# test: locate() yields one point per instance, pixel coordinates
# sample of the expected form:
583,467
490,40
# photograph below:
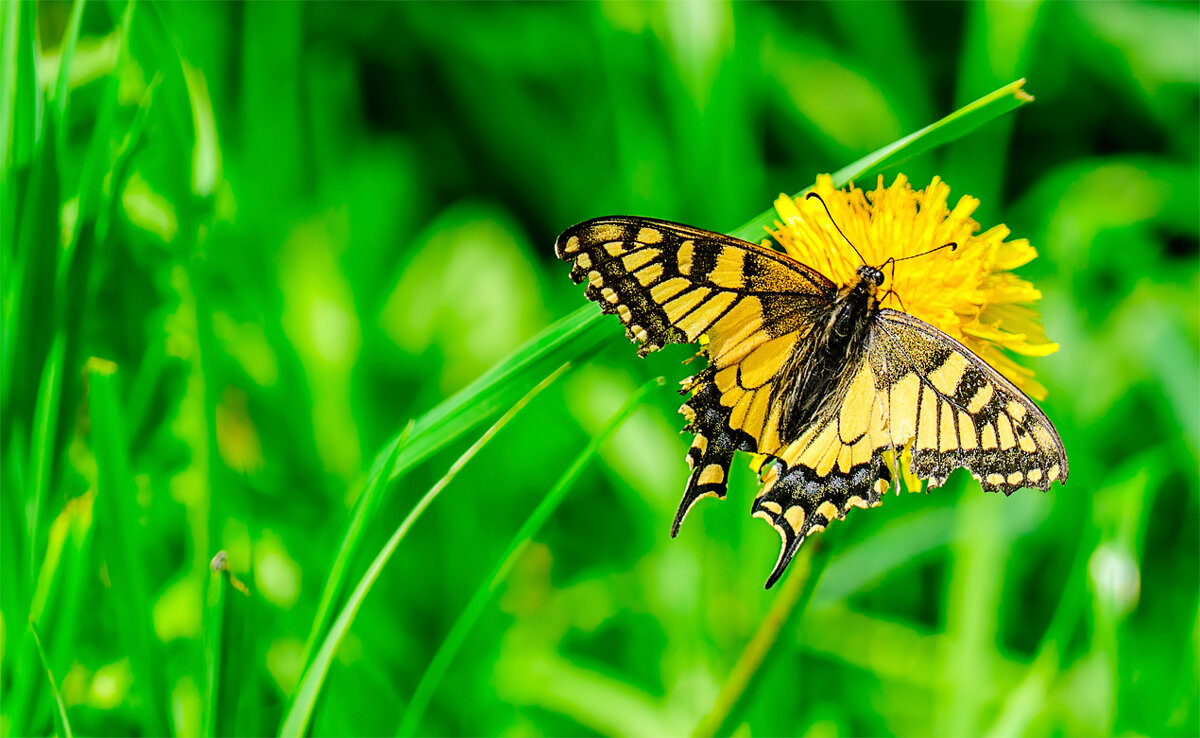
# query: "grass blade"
72,525
9,61
42,453
567,340
94,172
61,724
62,84
296,721
214,628
118,532
1027,699
457,635
793,597
58,596
948,129
954,126
362,508
224,621
24,100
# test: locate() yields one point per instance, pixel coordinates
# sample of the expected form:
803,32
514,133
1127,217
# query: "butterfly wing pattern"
760,317
670,283
918,386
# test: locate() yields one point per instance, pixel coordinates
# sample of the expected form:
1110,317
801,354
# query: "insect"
819,377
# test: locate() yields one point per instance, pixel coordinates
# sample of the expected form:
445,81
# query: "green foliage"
268,269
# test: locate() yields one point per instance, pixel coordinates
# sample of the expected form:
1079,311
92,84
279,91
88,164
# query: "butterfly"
818,377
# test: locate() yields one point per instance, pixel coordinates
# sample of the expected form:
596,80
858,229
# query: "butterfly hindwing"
713,445
914,385
798,502
836,464
958,411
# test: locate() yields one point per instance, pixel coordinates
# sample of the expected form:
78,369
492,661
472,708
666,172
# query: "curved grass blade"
570,339
577,334
62,725
457,635
296,721
948,129
365,504
567,340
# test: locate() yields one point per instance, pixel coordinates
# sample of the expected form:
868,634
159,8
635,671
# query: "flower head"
969,293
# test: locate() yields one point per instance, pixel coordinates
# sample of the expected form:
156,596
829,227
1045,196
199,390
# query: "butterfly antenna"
952,246
893,260
835,225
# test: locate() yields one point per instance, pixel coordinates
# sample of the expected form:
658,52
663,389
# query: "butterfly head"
871,274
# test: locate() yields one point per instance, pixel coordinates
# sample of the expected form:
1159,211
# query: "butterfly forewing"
672,283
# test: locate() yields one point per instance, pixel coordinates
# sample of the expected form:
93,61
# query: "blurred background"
279,231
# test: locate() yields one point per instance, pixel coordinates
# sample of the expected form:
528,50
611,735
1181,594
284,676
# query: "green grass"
62,726
268,272
296,721
523,538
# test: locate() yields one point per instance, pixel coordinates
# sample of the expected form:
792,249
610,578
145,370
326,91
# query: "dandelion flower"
969,293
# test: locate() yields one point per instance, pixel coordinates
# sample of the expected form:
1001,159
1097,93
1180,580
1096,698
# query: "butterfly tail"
712,448
797,502
709,478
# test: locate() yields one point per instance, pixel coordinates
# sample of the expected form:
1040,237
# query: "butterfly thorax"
814,372
854,302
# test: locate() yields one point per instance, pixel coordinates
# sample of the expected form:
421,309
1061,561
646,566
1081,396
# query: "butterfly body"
841,328
821,379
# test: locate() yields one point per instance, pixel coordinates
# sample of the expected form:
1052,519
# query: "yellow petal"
1012,254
